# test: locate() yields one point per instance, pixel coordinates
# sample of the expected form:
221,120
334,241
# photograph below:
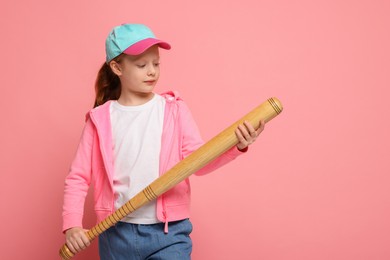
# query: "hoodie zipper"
165,163
104,156
165,219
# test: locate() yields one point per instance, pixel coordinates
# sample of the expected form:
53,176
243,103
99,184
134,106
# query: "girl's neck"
135,99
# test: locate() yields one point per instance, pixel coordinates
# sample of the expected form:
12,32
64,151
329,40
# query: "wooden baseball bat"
194,162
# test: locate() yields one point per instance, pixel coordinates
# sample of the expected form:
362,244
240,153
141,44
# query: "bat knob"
65,253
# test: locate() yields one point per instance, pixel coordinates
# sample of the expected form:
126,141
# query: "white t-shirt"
136,132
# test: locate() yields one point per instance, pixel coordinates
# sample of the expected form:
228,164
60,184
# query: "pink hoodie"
93,163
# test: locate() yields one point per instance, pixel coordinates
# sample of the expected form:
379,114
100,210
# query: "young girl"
132,136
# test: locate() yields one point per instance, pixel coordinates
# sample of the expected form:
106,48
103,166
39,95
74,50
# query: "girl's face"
139,74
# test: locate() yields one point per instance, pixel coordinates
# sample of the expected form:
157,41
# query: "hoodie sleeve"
78,180
192,140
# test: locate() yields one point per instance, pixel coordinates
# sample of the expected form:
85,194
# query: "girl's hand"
76,239
247,134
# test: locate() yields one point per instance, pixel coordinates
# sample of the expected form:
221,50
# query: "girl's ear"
116,68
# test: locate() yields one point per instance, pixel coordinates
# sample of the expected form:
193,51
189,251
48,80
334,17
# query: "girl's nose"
151,71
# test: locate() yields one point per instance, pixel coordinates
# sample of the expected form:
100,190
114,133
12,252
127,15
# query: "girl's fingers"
82,241
261,127
239,135
85,239
251,130
74,246
71,247
245,133
78,242
81,244
242,142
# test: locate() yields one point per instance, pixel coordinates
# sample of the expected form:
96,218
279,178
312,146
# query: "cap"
131,39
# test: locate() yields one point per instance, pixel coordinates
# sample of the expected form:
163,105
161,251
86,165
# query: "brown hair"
107,85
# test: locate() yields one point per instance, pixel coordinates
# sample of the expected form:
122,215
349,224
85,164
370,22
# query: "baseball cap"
131,39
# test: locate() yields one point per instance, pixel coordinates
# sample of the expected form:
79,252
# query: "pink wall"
315,185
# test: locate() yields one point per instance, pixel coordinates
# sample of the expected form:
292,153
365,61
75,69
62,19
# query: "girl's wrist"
243,150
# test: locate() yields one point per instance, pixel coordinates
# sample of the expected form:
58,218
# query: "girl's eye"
157,64
141,66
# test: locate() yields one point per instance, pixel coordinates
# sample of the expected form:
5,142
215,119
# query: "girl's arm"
76,187
78,180
192,140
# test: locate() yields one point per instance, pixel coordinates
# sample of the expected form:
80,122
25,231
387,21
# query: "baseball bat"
192,163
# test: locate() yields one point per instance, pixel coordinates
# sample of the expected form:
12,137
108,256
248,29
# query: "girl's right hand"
76,239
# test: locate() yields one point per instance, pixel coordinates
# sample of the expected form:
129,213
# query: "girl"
132,136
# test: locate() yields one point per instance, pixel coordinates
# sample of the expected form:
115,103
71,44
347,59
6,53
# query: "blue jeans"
126,241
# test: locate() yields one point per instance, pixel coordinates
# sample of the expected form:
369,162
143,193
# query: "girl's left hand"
247,134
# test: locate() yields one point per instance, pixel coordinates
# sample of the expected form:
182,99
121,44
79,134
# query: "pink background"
316,185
